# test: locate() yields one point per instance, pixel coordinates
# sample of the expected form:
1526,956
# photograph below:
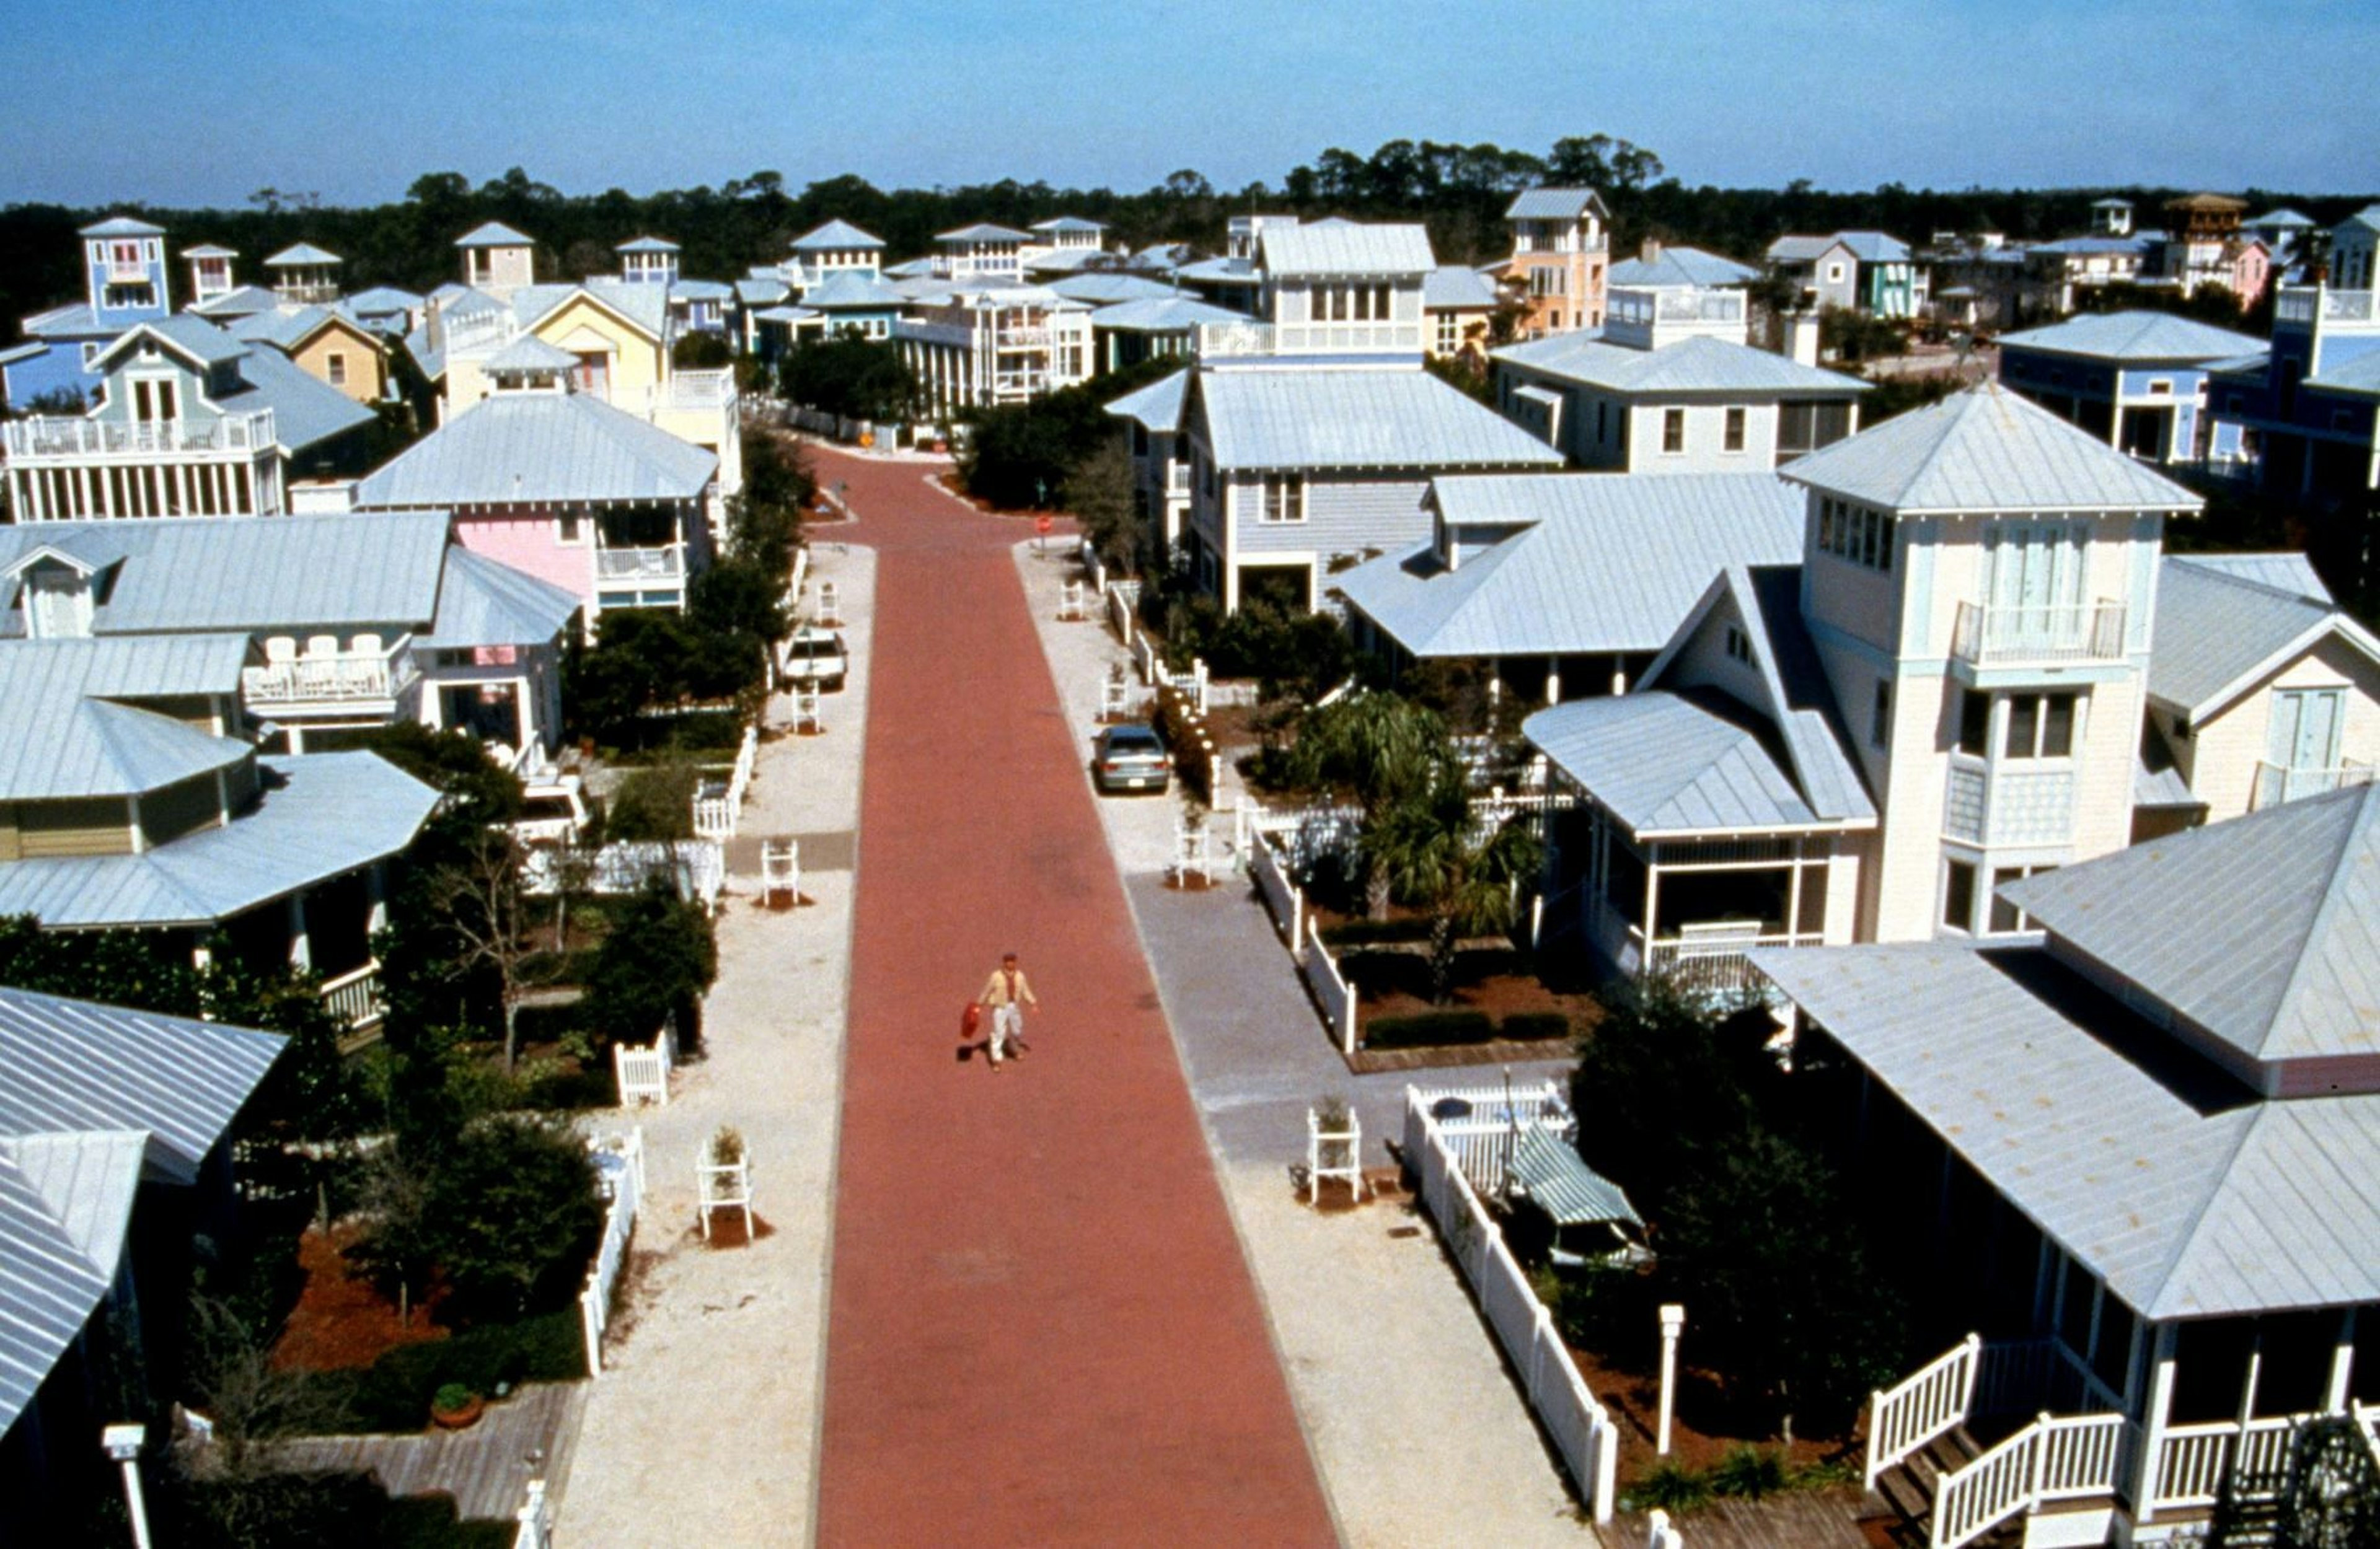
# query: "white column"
2160,1414
2342,1365
301,946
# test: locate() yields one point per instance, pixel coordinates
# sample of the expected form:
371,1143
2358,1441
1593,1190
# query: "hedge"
1435,1029
1524,1027
393,1393
1375,933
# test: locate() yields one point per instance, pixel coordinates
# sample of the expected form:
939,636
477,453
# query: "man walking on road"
1007,993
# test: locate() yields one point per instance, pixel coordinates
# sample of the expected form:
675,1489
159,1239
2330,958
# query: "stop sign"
1041,526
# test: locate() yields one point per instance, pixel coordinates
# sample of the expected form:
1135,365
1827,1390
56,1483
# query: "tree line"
1459,191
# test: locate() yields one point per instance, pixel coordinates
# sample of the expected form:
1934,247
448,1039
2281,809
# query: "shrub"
449,1397
1429,1029
1375,933
1672,1486
511,1218
659,956
655,804
1536,1027
395,1393
1751,1472
564,1089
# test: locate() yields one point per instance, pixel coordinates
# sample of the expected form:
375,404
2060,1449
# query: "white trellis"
722,1186
830,605
806,715
1115,698
1334,1153
1194,853
780,870
1070,603
536,1518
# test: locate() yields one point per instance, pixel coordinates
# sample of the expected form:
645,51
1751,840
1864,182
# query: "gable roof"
1157,407
193,338
1986,449
1602,563
2159,336
121,225
2264,930
495,234
647,245
1385,418
483,601
1323,251
836,236
1671,764
63,736
535,449
2220,629
643,307
1799,249
2188,1197
1696,365
530,353
1555,204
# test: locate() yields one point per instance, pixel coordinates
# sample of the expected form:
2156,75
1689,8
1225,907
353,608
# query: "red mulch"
341,1320
727,1229
1634,1400
1394,984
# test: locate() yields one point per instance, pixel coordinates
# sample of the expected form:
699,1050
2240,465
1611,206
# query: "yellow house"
327,345
2261,691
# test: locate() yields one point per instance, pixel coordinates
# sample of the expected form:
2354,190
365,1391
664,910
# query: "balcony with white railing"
2277,783
69,438
666,563
354,996
1223,340
1713,957
1987,635
349,681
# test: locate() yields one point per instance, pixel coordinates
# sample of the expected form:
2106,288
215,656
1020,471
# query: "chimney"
1650,252
1802,337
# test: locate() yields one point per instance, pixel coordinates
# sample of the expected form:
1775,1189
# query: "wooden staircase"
1900,1509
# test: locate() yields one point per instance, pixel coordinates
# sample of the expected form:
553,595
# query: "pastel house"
125,281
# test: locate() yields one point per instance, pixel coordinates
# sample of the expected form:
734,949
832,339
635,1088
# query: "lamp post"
123,1443
1674,1318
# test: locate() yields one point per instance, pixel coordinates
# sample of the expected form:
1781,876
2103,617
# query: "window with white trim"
569,527
1450,333
1858,532
1285,498
1958,894
1879,732
335,364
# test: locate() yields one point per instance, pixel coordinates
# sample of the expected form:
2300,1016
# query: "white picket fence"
1283,897
1931,1402
1332,988
536,1518
1581,1430
1477,1124
718,805
619,1225
642,1074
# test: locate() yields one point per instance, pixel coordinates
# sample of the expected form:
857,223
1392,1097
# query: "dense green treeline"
1460,191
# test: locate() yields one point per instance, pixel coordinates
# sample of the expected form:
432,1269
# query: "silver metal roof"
646,306
1391,417
121,225
984,231
1986,450
1557,1180
530,353
1157,406
186,334
485,602
851,287
1696,365
321,816
1451,287
1555,204
540,448
2220,631
837,236
1107,289
2264,930
49,1284
495,234
2134,337
1666,764
1682,266
1324,250
62,736
1603,563
1868,247
2286,571
2189,1198
647,245
301,254
290,574
1168,314
1074,223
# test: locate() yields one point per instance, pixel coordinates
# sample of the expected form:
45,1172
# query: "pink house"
564,487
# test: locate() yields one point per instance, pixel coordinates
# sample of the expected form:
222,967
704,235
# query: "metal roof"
2361,374
382,298
530,353
2188,1197
2289,572
1069,223
758,290
1696,365
2146,337
1322,251
852,288
283,331
121,225
837,236
1162,314
190,336
56,1261
62,736
1157,406
495,234
2264,930
1603,563
485,602
1682,266
984,231
306,410
539,449
1070,261
1222,270
1107,289
646,306
210,251
1667,764
1391,417
1798,250
319,817
1986,450
1555,204
701,290
647,245
240,301
1558,1181
303,254
2220,630
1452,287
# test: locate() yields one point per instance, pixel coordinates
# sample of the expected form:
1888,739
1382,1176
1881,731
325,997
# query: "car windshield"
1134,740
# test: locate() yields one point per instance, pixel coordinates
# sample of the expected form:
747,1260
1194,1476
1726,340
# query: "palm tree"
1382,750
1430,852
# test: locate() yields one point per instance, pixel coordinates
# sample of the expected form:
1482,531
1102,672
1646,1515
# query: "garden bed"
1493,983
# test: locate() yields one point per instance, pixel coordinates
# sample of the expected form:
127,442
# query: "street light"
123,1443
1674,1318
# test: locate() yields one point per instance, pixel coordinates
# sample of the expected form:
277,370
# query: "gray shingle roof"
1157,406
1386,418
1682,266
321,816
539,448
62,736
836,236
2144,337
1696,365
1554,204
1986,449
2264,930
2220,630
495,234
1603,563
1321,251
1668,764
2190,1199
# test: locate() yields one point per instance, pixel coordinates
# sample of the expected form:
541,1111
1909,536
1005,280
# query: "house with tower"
126,281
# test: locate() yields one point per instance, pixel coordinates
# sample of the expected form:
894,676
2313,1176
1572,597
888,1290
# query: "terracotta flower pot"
459,1419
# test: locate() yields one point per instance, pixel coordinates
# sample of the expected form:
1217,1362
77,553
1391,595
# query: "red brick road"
1040,1329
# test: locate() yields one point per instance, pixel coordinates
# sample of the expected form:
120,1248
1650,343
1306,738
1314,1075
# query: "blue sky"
175,104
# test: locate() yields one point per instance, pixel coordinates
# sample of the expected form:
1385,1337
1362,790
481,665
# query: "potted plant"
726,1146
454,1406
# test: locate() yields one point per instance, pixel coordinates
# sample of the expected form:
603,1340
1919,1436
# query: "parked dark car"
1130,758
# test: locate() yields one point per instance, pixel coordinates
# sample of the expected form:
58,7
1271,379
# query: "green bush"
449,1397
513,1216
1536,1027
393,1394
1375,933
1672,1486
1751,1472
655,804
564,1090
1429,1029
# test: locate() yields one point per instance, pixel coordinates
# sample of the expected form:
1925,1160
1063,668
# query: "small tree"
1435,855
1099,491
482,897
1382,750
658,957
512,1215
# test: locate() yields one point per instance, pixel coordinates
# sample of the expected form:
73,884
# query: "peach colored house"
1562,254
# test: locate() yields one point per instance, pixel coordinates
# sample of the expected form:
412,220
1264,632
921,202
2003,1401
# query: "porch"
362,683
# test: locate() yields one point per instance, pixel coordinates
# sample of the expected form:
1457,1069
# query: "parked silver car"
1130,758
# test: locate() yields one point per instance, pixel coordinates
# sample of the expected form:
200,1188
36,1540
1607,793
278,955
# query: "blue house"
124,271
2309,408
2135,379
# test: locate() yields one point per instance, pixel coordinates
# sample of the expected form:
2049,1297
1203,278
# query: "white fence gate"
1581,1430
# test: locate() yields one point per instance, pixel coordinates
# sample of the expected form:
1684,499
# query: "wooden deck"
1803,1519
486,1468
